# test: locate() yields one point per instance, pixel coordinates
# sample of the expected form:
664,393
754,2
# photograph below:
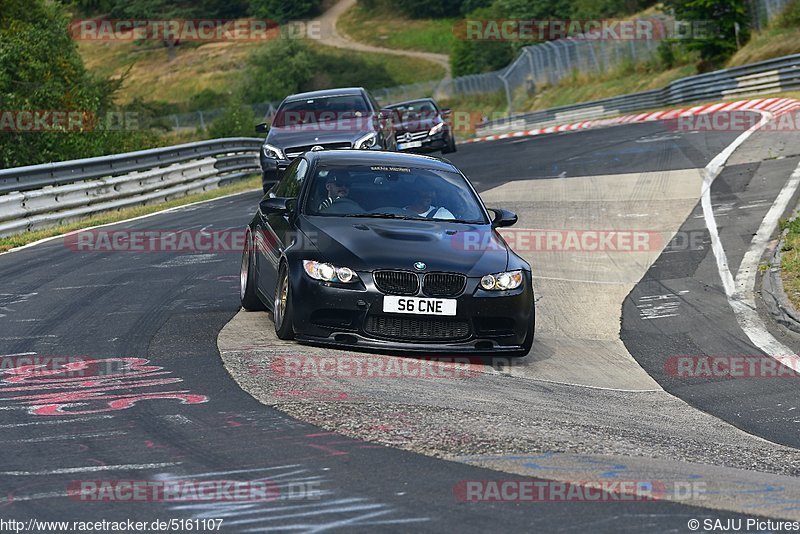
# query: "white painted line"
710,173
601,388
58,421
11,498
61,437
20,338
233,472
743,299
88,469
16,354
741,292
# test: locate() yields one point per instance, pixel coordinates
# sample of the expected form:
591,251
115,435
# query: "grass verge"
584,88
152,76
771,43
572,90
7,243
399,70
790,262
381,26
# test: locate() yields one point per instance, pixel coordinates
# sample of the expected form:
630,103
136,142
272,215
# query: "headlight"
329,273
436,129
272,152
366,142
502,281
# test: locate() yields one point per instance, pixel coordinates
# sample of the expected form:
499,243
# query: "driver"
424,197
337,185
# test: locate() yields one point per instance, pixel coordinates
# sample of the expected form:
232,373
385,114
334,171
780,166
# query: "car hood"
365,244
327,132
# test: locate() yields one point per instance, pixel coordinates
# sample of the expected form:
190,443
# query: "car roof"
405,102
378,157
342,91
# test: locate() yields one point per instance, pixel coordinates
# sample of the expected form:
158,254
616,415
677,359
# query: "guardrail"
765,77
39,196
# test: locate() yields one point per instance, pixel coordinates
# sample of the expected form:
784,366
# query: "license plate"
419,306
411,144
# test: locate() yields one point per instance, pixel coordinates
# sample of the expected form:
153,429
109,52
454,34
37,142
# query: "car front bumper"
432,143
485,322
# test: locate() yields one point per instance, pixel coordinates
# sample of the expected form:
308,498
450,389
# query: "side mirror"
445,111
386,114
503,218
262,128
275,205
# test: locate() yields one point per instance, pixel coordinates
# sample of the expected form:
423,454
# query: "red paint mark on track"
83,385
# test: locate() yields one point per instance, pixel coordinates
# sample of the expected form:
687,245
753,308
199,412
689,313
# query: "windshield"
315,110
414,110
417,106
392,192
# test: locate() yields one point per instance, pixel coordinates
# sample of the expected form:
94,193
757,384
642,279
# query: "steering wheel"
344,206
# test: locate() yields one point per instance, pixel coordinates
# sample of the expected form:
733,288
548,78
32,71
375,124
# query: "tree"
427,9
41,71
714,23
282,11
476,56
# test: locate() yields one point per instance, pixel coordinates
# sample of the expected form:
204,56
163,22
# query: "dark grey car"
331,119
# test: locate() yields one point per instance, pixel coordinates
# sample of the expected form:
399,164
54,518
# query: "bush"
205,99
337,69
287,66
238,120
282,10
279,68
474,57
666,54
790,17
425,9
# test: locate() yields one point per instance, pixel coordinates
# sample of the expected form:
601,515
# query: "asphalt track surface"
194,422
700,322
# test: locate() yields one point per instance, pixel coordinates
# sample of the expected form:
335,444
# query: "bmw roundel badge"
420,266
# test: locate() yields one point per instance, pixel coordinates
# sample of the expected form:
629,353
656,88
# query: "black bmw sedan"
386,251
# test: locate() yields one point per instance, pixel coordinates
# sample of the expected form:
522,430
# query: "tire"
451,146
282,309
247,279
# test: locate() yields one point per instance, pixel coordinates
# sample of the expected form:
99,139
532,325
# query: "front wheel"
451,145
247,279
282,309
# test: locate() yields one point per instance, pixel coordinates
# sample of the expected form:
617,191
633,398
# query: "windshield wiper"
409,218
383,216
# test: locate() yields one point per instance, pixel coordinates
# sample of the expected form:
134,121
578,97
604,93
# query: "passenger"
423,204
